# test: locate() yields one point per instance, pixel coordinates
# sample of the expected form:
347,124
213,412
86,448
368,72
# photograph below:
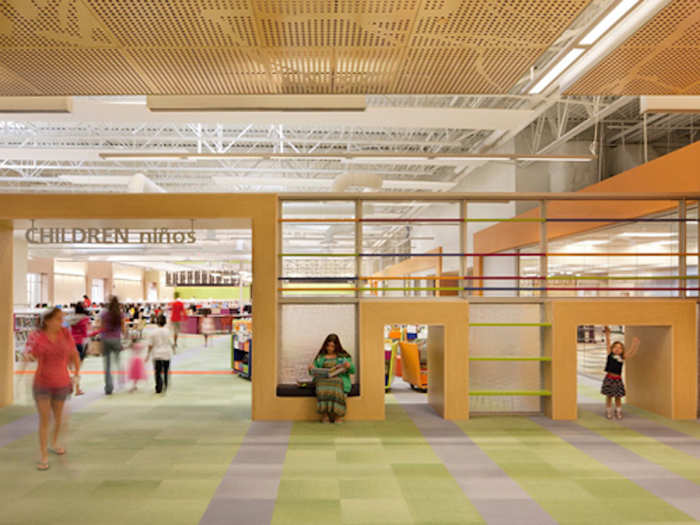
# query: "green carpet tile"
671,459
135,458
142,458
568,484
367,472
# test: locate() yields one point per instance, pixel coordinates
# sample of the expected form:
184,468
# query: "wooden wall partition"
448,377
7,340
261,209
666,370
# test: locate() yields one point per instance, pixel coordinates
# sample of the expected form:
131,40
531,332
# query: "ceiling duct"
36,104
357,182
139,183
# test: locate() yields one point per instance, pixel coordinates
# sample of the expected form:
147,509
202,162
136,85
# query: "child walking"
162,347
137,370
613,386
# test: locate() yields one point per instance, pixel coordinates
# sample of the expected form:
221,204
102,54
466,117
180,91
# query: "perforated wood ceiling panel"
189,47
662,58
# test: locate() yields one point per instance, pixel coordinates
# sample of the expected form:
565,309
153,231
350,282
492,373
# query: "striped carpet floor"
194,456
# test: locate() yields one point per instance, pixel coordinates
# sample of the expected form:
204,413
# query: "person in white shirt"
161,346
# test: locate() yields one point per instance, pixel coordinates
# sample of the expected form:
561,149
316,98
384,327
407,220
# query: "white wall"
19,272
127,282
69,281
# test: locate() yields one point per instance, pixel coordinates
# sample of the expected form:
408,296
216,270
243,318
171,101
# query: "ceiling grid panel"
661,58
199,47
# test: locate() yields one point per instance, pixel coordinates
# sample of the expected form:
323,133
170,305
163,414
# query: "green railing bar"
512,219
511,324
542,393
510,358
618,277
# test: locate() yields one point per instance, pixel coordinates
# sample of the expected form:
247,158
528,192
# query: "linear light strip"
608,21
557,70
357,157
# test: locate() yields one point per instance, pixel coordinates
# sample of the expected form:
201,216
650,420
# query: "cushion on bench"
293,390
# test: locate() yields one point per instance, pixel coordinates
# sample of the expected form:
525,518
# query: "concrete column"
7,343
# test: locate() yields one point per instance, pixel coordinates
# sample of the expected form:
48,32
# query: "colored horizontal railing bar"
501,254
511,219
497,277
510,324
315,220
496,219
542,393
413,219
616,277
316,279
629,219
489,196
544,359
583,288
319,255
375,289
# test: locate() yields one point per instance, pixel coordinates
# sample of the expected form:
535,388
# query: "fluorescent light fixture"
646,234
606,23
145,157
96,180
306,157
564,158
380,158
204,156
270,181
557,70
612,39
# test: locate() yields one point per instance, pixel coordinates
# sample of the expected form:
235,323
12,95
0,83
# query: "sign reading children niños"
108,236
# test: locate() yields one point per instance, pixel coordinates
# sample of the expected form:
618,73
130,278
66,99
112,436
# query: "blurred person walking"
177,316
112,326
79,324
53,347
160,345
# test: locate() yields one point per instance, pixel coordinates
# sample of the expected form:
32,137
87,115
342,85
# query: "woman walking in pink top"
54,349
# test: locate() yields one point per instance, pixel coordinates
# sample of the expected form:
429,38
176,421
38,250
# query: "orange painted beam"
678,171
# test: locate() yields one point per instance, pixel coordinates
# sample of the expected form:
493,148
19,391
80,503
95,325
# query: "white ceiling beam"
96,111
669,104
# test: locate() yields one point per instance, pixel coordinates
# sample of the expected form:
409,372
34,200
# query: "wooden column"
7,342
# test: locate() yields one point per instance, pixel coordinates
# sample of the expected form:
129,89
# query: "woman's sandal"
42,465
59,451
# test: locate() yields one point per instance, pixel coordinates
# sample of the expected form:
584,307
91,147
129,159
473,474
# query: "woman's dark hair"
162,320
339,350
48,316
114,312
80,309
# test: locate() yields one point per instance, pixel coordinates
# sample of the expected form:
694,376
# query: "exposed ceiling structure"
116,53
